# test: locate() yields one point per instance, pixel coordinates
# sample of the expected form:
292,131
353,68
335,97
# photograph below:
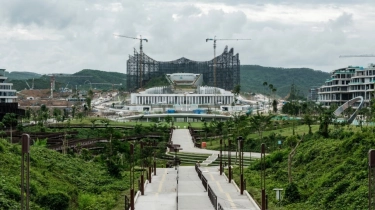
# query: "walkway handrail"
219,207
204,182
212,196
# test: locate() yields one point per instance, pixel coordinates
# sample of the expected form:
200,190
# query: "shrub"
54,201
291,193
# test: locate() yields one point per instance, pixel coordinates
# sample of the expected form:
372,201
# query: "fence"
219,207
204,182
127,203
212,196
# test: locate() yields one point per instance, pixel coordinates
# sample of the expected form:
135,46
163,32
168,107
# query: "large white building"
199,96
348,83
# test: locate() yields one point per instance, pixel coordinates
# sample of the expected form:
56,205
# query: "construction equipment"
105,84
52,76
32,85
352,56
141,54
214,39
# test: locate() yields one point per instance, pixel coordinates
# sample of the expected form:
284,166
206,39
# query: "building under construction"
140,69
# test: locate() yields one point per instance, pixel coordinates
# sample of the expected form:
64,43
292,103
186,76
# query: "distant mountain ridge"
253,77
18,75
97,78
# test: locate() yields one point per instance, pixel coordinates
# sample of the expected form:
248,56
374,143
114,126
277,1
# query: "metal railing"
212,196
219,207
204,182
127,203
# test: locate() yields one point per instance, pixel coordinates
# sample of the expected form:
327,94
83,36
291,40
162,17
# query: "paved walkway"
228,195
183,138
160,194
191,193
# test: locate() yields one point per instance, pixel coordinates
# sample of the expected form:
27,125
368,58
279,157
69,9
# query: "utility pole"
141,54
214,39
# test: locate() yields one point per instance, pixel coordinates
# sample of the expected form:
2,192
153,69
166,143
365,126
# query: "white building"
199,96
348,83
7,94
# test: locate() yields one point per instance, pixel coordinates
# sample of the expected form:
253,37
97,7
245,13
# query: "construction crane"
214,39
52,76
141,54
352,56
105,83
32,85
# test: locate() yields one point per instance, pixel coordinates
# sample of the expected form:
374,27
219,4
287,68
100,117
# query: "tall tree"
10,119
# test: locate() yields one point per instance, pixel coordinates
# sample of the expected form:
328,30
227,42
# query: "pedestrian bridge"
192,187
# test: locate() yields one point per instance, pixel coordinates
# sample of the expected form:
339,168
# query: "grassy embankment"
330,173
58,180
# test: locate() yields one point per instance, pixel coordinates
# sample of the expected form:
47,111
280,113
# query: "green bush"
291,193
54,201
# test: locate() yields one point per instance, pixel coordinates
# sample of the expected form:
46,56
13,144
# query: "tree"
259,122
325,118
309,120
10,119
292,140
274,105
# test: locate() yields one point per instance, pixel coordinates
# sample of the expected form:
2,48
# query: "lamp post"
240,144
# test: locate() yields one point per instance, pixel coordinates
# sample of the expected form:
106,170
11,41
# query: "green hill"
81,81
253,76
15,75
57,181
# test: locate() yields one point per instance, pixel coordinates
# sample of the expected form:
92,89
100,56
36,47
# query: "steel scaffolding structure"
141,68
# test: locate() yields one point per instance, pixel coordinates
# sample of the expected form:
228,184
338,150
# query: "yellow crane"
214,39
140,51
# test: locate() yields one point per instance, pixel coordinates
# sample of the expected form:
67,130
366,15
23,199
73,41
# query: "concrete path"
191,193
160,194
228,195
183,138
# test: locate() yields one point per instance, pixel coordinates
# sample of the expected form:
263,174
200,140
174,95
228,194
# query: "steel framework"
227,69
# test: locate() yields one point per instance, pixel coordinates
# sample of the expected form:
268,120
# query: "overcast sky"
55,36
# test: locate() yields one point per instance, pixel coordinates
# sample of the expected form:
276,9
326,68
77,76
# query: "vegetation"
91,76
58,181
253,77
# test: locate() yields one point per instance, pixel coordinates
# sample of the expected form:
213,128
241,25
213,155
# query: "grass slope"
330,173
84,185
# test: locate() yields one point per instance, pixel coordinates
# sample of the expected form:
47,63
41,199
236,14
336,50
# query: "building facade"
201,96
8,97
348,83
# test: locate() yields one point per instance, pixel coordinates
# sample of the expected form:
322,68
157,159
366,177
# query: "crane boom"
140,52
352,56
214,39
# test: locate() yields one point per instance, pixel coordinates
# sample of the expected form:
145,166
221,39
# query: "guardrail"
212,196
204,182
219,207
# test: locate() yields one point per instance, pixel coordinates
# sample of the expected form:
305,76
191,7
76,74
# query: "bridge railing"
204,182
219,207
212,196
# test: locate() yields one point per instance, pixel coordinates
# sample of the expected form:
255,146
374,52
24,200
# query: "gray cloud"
67,36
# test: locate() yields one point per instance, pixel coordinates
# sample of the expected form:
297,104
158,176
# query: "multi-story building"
8,97
348,83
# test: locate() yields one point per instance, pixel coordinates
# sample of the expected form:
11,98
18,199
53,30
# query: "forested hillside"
82,81
253,77
15,75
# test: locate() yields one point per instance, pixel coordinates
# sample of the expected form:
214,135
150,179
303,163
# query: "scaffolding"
141,68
